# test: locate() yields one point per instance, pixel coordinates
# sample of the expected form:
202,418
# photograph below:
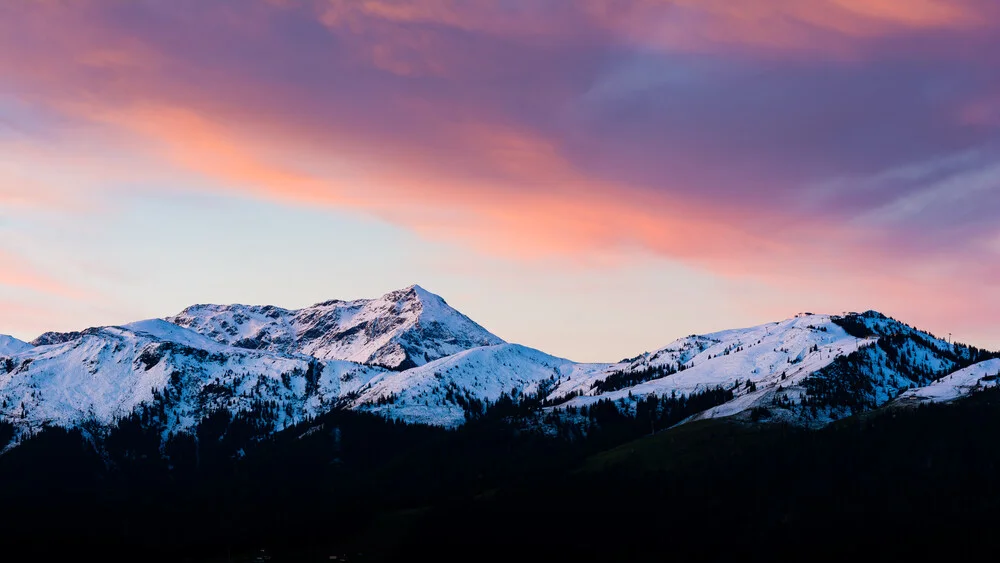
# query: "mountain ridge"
408,355
11,345
390,331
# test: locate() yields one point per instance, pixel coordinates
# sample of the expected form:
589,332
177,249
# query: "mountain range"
410,356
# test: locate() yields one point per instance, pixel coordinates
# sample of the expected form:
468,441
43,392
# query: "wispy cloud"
762,139
19,273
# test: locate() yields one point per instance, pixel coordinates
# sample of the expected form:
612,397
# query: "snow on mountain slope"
764,355
162,330
440,392
10,345
103,374
807,370
955,385
285,365
401,329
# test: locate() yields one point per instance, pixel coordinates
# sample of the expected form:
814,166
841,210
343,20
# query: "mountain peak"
872,314
869,314
11,345
409,293
403,328
412,292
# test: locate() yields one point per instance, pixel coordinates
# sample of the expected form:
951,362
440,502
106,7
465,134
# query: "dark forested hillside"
892,482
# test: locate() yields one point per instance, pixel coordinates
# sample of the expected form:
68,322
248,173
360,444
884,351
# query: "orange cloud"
533,206
830,27
914,13
18,273
672,24
458,168
17,316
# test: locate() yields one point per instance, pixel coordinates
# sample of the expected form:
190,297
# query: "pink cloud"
833,27
539,130
18,273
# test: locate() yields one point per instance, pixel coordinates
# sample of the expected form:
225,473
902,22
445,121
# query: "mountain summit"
402,329
11,345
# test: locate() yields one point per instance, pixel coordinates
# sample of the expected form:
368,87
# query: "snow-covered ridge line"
401,329
442,391
757,354
10,345
809,370
177,375
409,355
228,357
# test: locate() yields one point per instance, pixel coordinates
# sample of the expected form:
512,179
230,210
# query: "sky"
593,178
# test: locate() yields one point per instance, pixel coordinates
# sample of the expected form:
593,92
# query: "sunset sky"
593,178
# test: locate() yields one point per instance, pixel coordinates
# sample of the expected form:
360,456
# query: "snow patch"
955,385
10,345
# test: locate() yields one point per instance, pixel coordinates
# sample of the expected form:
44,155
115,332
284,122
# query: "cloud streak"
18,273
785,140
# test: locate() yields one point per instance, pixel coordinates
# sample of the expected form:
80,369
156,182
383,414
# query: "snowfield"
955,385
104,374
405,328
432,393
10,345
769,355
769,368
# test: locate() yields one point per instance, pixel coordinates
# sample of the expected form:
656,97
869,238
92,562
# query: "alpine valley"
397,427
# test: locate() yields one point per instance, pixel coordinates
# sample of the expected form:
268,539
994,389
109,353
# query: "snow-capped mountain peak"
10,345
106,373
404,328
809,369
772,353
